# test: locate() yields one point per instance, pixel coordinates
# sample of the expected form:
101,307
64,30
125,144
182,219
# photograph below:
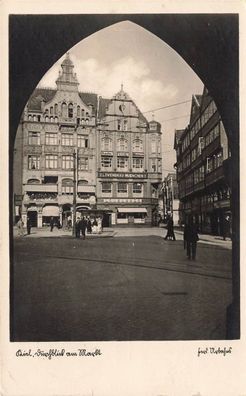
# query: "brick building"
105,147
202,159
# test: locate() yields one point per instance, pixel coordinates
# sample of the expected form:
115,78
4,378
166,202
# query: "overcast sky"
152,73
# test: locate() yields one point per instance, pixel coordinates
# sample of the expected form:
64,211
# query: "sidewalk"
46,233
211,239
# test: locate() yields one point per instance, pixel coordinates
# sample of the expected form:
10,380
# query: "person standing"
191,237
77,228
51,224
226,228
170,232
89,225
20,227
83,227
28,225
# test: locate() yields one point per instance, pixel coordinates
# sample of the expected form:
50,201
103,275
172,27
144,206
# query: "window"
125,123
159,165
78,111
51,110
106,144
153,126
153,146
83,141
67,162
56,109
106,162
33,162
51,138
153,165
106,187
67,186
122,144
137,163
137,188
67,139
83,163
70,110
122,162
119,125
51,161
34,138
64,110
137,145
122,188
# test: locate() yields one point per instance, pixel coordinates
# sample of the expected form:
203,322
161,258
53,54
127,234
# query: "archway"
214,46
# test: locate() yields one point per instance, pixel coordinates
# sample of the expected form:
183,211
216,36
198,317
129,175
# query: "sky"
152,73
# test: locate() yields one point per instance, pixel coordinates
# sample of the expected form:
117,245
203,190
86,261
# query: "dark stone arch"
209,43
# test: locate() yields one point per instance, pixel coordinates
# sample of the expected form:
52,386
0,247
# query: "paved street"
132,286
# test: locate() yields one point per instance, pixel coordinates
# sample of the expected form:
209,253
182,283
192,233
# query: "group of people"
87,225
190,237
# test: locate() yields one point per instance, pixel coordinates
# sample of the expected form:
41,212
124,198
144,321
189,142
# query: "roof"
39,95
103,104
46,94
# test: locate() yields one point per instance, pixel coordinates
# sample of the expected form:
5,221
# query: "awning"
50,210
132,210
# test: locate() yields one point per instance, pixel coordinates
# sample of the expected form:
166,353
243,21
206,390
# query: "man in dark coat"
51,223
170,232
77,228
83,226
191,238
28,225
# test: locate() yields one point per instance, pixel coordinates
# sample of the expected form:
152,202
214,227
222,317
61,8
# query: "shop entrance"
32,214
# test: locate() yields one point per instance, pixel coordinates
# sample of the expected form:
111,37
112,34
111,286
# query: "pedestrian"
170,232
226,228
191,238
20,225
51,224
28,225
83,226
77,228
94,226
99,222
89,229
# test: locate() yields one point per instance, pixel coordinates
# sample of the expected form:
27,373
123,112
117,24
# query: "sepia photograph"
124,177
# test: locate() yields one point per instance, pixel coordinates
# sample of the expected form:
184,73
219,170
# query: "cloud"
94,76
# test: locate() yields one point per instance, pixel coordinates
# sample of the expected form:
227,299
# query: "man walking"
170,232
77,228
83,227
191,238
51,224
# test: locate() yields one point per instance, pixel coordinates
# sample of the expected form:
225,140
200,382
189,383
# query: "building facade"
74,144
202,159
170,198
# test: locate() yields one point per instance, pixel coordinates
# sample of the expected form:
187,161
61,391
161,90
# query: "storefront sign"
125,175
122,200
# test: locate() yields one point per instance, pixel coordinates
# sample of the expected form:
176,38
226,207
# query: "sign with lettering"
122,200
125,175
